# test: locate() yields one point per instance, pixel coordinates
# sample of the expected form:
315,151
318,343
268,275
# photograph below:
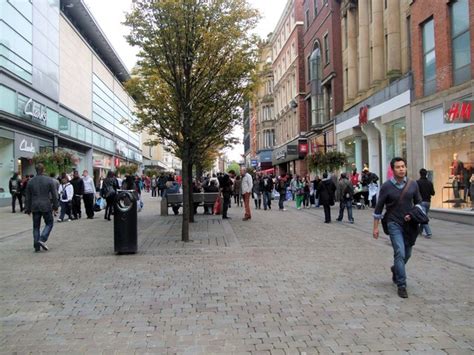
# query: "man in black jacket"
14,185
41,200
225,184
267,189
426,191
78,186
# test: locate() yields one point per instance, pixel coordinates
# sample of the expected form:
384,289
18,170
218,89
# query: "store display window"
450,161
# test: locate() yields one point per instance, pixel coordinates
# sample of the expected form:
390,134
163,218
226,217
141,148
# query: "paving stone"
279,284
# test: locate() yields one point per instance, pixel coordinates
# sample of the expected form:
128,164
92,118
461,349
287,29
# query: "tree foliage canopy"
195,62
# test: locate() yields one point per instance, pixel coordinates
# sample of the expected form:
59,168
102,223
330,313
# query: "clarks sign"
35,110
25,146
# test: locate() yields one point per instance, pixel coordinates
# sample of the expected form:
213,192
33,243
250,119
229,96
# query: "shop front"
449,153
101,164
7,164
290,158
264,159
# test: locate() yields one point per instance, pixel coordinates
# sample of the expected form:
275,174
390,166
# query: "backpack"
347,193
64,194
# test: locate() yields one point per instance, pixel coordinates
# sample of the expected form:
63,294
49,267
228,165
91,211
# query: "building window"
370,11
317,101
429,58
460,41
306,18
315,4
326,48
409,41
345,31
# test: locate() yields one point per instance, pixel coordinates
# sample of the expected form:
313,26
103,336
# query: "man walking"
398,195
281,188
426,191
89,194
41,200
345,191
267,183
247,185
225,184
14,185
78,185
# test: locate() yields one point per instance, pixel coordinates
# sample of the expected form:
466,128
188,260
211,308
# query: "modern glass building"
61,89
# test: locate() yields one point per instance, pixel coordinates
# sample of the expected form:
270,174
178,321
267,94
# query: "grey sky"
111,13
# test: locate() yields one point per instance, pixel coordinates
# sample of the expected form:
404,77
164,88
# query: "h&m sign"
459,112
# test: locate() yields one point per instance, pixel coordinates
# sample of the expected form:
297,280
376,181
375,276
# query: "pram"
358,196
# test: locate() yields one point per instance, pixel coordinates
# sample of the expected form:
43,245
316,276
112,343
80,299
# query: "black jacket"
326,192
78,186
426,189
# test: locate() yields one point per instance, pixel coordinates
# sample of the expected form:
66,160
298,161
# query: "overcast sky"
111,13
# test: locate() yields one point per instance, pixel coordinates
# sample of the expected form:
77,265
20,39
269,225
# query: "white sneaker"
59,220
43,245
69,220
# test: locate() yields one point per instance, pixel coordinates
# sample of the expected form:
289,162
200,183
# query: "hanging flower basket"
55,162
328,161
128,169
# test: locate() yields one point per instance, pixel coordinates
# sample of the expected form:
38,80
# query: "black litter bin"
125,222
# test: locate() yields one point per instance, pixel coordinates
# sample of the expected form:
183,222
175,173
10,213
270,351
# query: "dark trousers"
20,201
327,213
76,206
41,236
89,204
226,204
281,200
153,191
109,208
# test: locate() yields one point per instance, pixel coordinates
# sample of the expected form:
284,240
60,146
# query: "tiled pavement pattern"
283,283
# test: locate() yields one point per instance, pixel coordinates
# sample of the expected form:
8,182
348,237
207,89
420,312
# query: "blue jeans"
426,227
401,252
43,236
345,204
267,199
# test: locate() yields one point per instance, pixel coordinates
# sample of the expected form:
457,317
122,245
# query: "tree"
195,62
234,166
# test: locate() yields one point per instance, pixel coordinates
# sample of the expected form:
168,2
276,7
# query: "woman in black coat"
326,193
109,190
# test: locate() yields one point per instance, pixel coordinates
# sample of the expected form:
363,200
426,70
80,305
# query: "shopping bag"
99,204
217,206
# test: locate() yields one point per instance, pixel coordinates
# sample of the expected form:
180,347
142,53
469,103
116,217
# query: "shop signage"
116,162
254,162
459,112
25,146
292,149
36,111
363,115
281,154
303,148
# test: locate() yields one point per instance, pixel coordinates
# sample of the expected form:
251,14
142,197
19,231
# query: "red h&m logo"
363,115
116,162
459,112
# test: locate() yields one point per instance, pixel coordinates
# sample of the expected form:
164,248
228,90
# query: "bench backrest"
206,197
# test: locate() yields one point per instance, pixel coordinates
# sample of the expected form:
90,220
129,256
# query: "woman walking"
299,191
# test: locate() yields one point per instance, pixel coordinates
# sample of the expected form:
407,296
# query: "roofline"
82,19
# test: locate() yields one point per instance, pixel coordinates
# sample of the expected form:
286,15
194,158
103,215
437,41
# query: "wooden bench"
202,198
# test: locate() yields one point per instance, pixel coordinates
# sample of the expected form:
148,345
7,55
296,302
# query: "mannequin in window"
457,168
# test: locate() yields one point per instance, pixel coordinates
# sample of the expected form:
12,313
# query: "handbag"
217,206
385,216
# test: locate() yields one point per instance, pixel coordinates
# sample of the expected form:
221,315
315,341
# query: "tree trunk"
186,189
190,180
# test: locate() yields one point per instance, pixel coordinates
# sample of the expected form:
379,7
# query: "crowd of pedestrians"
401,204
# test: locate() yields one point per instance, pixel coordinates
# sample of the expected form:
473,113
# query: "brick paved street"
284,283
